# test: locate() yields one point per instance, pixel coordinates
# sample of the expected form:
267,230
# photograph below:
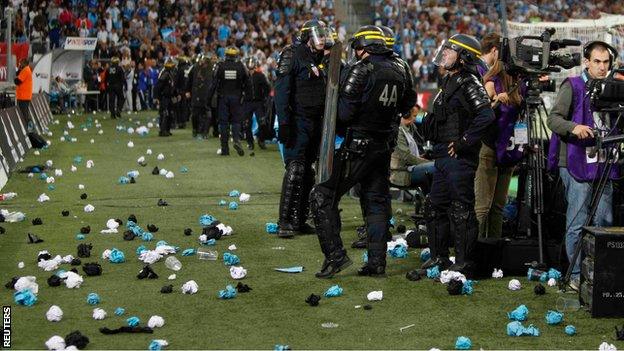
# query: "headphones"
587,48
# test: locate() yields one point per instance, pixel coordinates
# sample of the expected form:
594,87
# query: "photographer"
574,124
496,158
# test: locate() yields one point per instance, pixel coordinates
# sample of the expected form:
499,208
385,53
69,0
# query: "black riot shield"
326,152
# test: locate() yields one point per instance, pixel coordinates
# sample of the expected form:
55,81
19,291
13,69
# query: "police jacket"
375,92
182,76
300,84
259,87
461,114
230,78
115,77
165,86
199,82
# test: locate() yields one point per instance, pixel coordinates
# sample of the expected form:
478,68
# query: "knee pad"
459,211
320,198
295,171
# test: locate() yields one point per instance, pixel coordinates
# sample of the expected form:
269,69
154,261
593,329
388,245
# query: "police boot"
376,265
236,130
261,144
302,226
224,134
292,185
465,228
362,240
335,261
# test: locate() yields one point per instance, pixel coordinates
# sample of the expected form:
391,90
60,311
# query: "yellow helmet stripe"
366,32
375,37
477,52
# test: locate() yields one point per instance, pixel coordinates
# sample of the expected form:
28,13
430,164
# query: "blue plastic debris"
463,343
147,236
123,180
295,269
222,203
80,236
433,272
93,299
117,256
570,330
365,257
553,317
140,249
188,252
425,255
230,259
333,291
519,314
234,193
206,220
468,289
25,297
133,321
554,274
399,251
228,293
272,228
120,311
233,205
516,328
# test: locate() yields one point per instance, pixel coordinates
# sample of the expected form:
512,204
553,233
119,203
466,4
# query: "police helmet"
183,59
232,52
315,30
115,60
370,39
252,62
170,63
389,35
467,47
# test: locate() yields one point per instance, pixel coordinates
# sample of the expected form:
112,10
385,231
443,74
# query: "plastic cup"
173,263
207,254
568,304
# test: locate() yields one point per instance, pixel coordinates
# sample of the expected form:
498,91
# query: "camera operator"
499,152
461,115
574,124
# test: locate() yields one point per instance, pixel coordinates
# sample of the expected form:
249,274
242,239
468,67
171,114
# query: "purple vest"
579,164
508,153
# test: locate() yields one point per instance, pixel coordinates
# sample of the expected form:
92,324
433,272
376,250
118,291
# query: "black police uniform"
230,81
462,115
200,80
374,94
115,82
299,104
255,103
182,106
165,90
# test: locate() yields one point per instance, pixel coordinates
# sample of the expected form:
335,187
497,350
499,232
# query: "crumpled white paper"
552,282
160,157
99,314
156,322
375,296
90,164
89,208
394,243
73,168
43,197
92,141
148,151
72,280
112,224
100,132
37,153
165,250
141,159
169,175
28,282
58,172
50,180
232,247
452,259
163,172
106,254
20,265
605,346
55,343
30,175
54,314
150,125
9,196
190,287
446,276
81,186
49,163
514,285
244,197
109,231
497,273
238,272
172,277
130,144
51,264
67,258
149,256
225,229
130,130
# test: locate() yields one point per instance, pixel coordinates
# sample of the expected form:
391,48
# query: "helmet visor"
319,36
445,56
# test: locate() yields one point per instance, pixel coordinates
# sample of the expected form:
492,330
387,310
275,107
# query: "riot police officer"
299,105
255,103
197,91
182,109
230,82
461,115
115,82
389,37
165,91
375,91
